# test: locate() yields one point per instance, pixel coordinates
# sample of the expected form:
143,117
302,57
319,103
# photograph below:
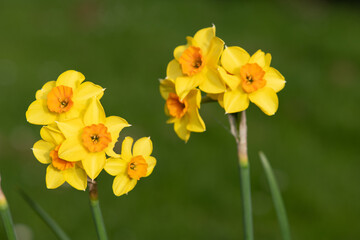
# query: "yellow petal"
76,177
114,125
44,91
95,113
151,161
88,90
266,99
126,148
216,48
233,58
267,61
70,78
143,147
52,135
54,177
185,84
42,149
123,184
116,166
179,50
181,130
259,58
235,101
203,38
212,83
274,79
73,113
73,150
71,128
166,86
94,163
38,113
232,81
196,123
173,70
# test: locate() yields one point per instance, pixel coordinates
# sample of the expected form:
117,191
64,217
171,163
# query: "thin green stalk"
6,216
96,211
57,230
240,135
277,199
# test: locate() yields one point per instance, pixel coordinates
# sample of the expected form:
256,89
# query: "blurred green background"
193,193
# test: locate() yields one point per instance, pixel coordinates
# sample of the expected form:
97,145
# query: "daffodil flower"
63,99
249,79
195,64
90,138
183,113
59,170
131,165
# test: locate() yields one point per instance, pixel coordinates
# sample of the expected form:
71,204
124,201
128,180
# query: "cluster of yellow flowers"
230,76
78,139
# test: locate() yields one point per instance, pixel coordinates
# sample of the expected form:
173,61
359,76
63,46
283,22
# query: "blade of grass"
45,217
277,199
6,216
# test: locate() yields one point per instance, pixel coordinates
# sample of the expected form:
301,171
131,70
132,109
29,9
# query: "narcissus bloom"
195,64
183,113
59,170
131,165
63,99
89,139
250,79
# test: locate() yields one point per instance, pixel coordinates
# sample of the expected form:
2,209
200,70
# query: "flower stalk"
240,135
6,216
96,211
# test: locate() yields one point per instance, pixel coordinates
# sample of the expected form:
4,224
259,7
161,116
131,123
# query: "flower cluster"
230,76
78,139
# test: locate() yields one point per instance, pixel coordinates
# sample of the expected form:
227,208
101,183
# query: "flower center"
191,61
59,99
137,167
176,107
96,137
58,162
252,76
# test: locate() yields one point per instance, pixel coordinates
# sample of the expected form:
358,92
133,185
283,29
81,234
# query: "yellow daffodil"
183,113
59,170
250,79
63,99
89,139
131,165
195,64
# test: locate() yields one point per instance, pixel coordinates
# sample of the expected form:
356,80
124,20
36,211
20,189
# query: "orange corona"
191,61
176,107
59,163
59,99
137,167
252,76
96,137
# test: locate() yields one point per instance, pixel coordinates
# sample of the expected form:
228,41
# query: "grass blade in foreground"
6,216
276,196
45,217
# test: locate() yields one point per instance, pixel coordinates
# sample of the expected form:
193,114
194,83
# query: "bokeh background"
124,46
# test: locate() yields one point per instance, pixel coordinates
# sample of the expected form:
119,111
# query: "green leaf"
277,199
45,217
6,216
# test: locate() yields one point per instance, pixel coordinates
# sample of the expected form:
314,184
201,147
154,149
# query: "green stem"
6,216
96,211
277,199
240,135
